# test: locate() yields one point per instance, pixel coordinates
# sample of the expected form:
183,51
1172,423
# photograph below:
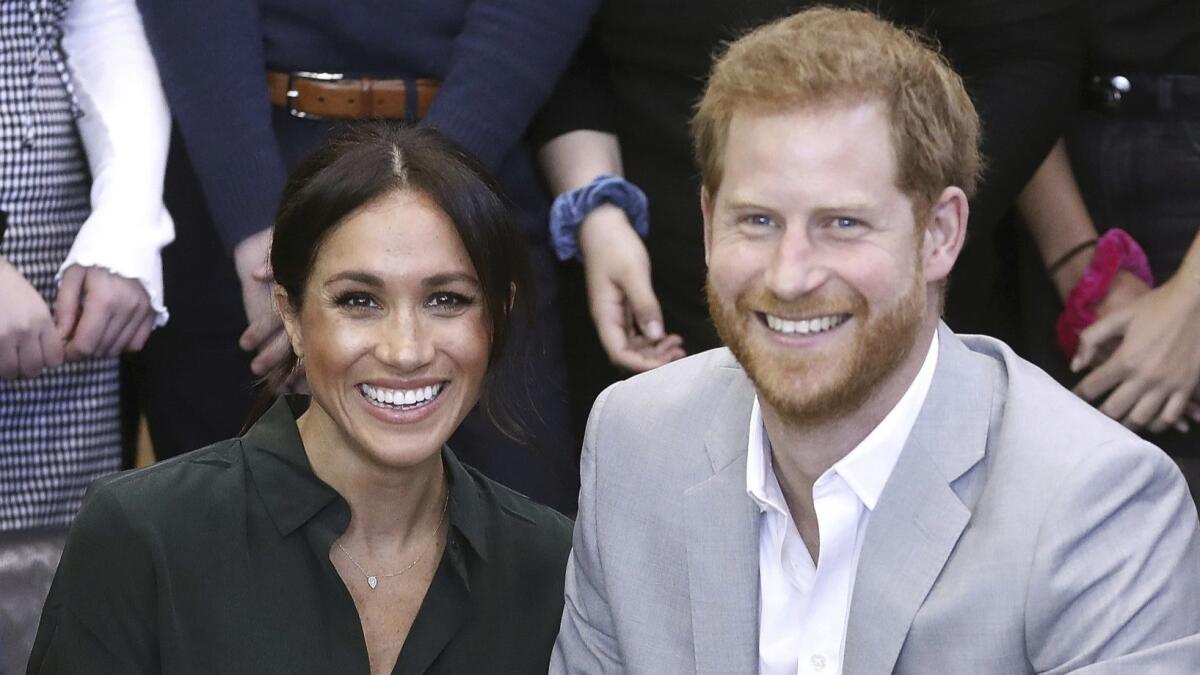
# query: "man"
851,487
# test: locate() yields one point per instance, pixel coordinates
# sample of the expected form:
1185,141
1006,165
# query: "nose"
797,266
404,342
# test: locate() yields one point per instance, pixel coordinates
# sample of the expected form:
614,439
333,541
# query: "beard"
808,387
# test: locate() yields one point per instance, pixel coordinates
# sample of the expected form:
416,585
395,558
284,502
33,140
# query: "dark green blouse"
218,562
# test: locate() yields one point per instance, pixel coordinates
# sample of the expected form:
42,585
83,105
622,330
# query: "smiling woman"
339,533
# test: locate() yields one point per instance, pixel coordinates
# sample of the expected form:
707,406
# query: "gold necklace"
373,579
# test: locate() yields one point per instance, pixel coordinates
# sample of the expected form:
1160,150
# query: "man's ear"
291,323
945,233
706,207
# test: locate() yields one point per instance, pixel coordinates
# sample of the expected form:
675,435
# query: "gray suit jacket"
1021,531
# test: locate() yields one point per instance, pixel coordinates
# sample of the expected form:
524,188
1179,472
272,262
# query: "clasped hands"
97,313
1144,354
624,309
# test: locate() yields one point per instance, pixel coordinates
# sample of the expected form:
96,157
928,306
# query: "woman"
339,534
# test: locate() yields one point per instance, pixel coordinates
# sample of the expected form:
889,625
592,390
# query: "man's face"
815,264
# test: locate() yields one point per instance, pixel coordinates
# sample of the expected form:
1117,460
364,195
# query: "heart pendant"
372,582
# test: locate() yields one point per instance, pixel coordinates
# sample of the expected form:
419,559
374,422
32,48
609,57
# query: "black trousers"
194,386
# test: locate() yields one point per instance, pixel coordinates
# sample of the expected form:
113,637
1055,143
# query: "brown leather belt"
332,96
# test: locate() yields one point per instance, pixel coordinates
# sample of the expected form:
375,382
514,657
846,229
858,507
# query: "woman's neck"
389,506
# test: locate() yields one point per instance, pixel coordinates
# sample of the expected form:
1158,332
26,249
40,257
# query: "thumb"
1100,332
67,305
644,304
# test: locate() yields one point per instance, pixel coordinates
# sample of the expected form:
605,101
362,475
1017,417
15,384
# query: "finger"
85,341
121,342
10,365
1120,402
1144,409
1171,414
261,329
29,356
1101,380
52,347
644,305
143,333
117,323
273,351
66,304
1096,335
263,274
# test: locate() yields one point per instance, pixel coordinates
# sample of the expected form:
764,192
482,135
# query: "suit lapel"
919,517
722,543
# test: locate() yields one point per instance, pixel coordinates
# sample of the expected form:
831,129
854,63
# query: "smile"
400,399
812,326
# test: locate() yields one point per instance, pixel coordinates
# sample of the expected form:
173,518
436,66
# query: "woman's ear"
291,323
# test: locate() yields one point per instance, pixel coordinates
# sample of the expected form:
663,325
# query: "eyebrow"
368,279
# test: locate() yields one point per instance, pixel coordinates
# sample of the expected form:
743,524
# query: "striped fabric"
60,431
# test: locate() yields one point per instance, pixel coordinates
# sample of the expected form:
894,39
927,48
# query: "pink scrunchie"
1115,251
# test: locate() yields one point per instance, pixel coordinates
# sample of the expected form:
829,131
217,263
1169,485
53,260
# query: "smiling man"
850,487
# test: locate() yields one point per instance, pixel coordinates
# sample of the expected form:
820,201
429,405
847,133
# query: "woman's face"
393,333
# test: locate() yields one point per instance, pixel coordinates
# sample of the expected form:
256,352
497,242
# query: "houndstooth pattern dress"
59,431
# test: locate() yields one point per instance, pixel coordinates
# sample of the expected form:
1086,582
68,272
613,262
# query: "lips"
402,399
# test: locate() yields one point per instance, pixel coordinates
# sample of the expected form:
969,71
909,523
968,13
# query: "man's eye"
356,300
842,223
758,220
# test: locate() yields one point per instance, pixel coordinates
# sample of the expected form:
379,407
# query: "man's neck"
801,454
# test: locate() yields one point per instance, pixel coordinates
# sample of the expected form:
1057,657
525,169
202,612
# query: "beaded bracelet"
571,208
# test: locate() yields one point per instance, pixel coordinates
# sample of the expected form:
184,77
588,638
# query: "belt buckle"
293,94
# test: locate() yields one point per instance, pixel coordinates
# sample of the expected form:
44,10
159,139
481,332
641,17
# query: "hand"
100,314
28,342
264,334
1155,369
623,305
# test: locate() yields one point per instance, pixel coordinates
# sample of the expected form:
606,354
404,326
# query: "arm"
624,309
492,90
1054,213
213,66
1115,578
587,640
100,614
111,293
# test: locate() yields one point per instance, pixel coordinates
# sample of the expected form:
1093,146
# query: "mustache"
764,301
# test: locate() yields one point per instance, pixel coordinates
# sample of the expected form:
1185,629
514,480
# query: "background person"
475,69
83,141
340,534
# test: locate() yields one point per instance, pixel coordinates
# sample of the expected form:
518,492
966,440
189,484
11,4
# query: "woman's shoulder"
169,492
517,527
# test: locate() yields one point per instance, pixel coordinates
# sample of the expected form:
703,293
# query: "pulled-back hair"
365,162
821,57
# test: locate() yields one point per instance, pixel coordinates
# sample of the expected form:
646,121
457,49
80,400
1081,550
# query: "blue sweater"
498,60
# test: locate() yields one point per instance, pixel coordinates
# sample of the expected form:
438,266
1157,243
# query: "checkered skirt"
59,431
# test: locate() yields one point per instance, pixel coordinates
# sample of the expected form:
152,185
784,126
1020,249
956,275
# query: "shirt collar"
866,467
293,494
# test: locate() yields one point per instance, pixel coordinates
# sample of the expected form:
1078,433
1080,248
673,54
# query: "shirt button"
818,662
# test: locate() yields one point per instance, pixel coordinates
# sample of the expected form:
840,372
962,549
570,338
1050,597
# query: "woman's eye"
447,301
356,301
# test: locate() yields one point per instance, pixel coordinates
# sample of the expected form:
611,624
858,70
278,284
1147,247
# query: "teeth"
803,326
400,397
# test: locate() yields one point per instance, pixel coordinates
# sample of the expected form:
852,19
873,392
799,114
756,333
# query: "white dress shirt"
803,608
126,131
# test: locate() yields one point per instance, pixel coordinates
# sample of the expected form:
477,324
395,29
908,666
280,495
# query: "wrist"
572,209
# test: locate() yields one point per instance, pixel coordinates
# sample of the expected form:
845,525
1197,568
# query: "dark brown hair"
364,162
